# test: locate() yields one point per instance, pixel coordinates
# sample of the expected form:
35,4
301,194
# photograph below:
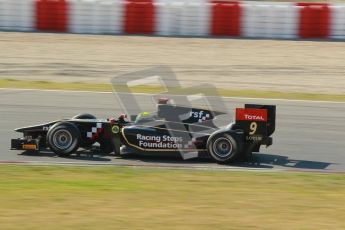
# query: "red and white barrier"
225,18
269,20
314,20
17,15
184,18
52,15
94,16
176,18
337,29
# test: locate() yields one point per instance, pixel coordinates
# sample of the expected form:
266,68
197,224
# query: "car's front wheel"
63,138
84,116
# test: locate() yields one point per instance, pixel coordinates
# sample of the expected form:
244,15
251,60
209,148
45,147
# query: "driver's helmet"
145,117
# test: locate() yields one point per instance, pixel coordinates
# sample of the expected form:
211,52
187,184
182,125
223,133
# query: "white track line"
235,98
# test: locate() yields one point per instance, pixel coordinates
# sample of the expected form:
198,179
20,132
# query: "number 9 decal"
253,126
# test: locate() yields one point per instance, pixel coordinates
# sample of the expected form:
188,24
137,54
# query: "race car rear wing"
271,116
257,121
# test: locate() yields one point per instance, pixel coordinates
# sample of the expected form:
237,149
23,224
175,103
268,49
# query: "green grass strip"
79,86
62,197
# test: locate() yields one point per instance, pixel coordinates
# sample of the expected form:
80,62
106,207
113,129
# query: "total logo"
253,117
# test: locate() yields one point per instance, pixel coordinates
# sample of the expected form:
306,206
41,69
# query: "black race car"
172,129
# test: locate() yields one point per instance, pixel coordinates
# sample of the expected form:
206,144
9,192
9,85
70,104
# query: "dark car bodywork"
172,129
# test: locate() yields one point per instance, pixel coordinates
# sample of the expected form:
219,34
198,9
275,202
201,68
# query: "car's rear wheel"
63,138
223,147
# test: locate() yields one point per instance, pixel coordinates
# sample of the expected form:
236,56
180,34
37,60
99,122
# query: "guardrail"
176,18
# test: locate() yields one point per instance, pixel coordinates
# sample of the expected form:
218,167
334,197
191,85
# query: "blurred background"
239,45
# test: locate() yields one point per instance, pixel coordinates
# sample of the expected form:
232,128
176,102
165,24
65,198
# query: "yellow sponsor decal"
253,126
145,114
115,129
29,147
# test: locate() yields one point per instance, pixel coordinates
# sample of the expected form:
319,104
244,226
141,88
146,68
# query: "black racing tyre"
63,138
223,147
84,116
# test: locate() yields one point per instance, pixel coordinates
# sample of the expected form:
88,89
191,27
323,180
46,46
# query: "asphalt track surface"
309,135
